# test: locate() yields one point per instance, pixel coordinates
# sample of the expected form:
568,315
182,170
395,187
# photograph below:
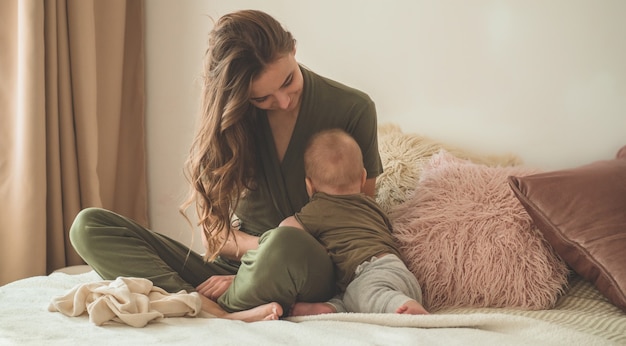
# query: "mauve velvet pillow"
582,214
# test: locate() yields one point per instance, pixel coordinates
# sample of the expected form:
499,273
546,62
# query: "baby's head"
333,163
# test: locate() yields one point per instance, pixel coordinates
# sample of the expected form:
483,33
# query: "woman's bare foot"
265,312
412,307
305,309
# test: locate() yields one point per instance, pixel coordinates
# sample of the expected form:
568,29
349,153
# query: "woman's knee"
293,266
302,255
293,243
83,222
286,235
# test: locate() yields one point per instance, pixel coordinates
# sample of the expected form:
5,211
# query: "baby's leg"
411,307
383,285
305,309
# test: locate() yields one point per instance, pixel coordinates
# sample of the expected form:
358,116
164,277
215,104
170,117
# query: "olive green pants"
288,266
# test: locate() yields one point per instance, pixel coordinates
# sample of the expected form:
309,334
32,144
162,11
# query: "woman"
259,109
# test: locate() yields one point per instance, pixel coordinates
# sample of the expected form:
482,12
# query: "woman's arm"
216,285
238,244
235,249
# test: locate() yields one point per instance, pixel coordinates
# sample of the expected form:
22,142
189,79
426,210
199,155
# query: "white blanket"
582,319
133,301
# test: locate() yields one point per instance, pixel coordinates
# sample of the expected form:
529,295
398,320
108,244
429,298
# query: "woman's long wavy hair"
222,161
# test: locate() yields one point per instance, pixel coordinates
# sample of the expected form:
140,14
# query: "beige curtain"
72,130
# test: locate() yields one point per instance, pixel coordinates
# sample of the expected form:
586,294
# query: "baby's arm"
291,222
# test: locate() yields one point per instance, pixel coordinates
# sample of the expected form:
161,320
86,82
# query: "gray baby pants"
380,285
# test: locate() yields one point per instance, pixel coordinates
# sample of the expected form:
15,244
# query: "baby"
370,275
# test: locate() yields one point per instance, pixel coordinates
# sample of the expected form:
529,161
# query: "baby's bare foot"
305,309
412,307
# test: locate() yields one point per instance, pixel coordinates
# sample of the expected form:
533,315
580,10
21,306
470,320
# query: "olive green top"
281,190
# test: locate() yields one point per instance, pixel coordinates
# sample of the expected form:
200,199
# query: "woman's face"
279,86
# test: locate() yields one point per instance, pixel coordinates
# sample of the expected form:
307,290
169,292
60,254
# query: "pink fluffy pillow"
470,243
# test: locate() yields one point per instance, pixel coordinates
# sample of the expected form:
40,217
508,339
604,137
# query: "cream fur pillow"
404,154
470,243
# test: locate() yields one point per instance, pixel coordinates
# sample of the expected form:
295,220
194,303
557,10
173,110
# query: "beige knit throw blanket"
133,301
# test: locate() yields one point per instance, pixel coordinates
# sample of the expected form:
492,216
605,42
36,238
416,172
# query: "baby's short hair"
333,158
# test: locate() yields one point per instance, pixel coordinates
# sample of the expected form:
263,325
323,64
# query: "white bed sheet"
582,317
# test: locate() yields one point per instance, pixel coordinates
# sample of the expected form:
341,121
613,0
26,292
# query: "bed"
485,236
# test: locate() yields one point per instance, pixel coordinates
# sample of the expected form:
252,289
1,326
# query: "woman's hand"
215,286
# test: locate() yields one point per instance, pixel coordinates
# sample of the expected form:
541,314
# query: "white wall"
543,79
